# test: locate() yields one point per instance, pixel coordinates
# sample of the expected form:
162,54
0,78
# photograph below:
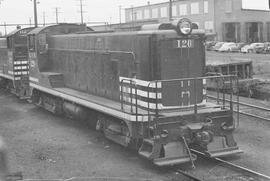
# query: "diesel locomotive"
14,69
143,89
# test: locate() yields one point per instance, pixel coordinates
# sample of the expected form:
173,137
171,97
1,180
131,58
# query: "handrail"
131,82
223,93
148,108
199,78
195,96
153,86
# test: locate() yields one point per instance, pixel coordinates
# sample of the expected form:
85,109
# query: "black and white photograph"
146,90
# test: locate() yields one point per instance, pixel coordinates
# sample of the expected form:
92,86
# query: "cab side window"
31,43
9,43
42,45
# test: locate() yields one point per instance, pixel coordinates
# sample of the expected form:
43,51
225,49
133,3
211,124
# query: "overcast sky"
20,11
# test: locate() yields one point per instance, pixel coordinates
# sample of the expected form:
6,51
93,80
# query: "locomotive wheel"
35,98
40,101
250,93
99,126
135,144
3,83
117,131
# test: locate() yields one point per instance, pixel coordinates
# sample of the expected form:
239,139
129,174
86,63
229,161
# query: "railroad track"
244,107
253,175
231,171
188,175
256,176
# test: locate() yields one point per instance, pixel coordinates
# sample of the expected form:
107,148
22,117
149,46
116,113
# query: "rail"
193,177
232,165
245,171
247,105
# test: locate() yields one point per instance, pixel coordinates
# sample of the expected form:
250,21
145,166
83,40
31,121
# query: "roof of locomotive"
169,29
40,29
27,30
169,32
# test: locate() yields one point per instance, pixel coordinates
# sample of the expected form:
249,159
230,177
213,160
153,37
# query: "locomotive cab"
15,67
38,49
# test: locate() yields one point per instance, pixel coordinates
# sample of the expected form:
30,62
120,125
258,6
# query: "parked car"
238,47
209,45
251,48
217,46
227,47
265,49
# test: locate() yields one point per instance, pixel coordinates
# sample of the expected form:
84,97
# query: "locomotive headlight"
184,26
164,133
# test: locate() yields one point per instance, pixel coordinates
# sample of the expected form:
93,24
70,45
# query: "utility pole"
5,28
81,7
120,8
81,10
170,10
35,13
56,14
132,16
4,22
44,20
30,21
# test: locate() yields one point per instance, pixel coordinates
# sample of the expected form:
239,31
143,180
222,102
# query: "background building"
227,19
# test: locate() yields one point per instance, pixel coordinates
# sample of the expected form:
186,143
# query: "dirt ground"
252,135
44,146
253,138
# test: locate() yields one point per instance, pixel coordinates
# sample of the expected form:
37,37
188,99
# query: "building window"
130,15
146,14
228,6
208,25
155,13
138,15
194,8
183,9
163,12
205,6
174,10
